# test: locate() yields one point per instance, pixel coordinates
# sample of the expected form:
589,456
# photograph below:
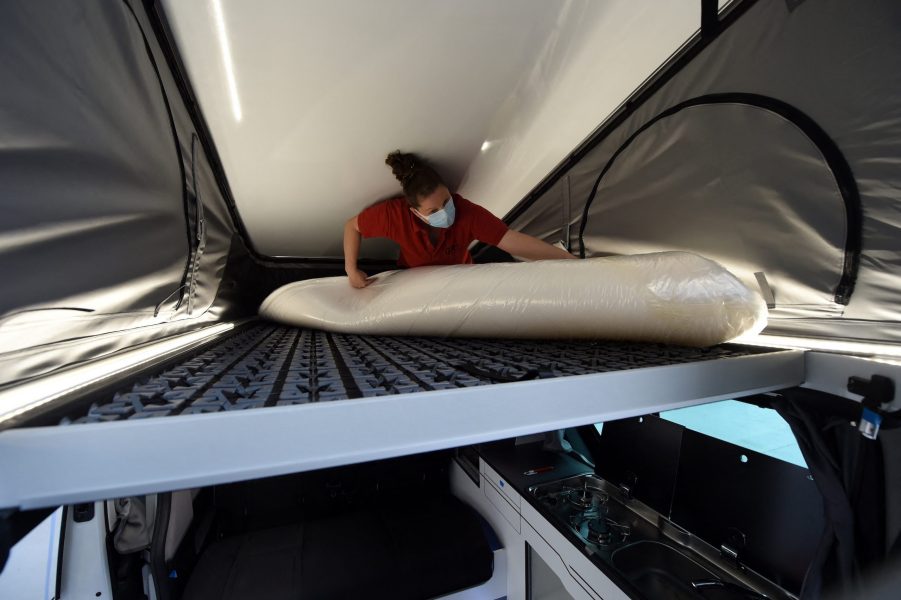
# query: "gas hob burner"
585,497
583,506
604,531
599,532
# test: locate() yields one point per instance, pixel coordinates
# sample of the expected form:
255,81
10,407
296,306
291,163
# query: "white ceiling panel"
304,99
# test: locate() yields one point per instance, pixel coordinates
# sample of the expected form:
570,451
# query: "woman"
432,225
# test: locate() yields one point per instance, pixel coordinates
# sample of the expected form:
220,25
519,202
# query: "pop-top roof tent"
770,138
166,164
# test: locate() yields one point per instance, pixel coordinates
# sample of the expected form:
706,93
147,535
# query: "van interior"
165,166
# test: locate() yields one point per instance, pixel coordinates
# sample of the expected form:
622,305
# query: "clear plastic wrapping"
668,297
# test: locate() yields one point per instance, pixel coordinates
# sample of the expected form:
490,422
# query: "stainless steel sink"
659,570
660,559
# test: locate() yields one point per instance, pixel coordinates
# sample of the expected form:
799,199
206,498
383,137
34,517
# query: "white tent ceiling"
305,98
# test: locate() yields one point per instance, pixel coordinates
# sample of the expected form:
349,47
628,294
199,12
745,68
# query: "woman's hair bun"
402,165
417,178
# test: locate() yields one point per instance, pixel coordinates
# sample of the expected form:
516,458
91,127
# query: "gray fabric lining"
840,64
95,232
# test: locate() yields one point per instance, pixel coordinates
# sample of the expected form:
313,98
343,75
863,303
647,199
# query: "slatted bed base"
268,365
269,400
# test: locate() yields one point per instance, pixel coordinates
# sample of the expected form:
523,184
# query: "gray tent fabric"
102,186
766,195
91,175
745,189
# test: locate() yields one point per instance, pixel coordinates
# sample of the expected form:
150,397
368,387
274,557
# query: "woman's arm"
358,278
525,246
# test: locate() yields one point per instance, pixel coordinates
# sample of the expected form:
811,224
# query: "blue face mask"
443,218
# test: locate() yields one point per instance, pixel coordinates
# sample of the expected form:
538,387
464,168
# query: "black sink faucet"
627,487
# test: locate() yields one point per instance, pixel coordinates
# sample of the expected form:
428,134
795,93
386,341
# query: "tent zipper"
835,160
199,243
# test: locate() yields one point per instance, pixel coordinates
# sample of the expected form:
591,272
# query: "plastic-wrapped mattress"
668,297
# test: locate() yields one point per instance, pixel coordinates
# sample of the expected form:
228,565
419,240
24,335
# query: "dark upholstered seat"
421,548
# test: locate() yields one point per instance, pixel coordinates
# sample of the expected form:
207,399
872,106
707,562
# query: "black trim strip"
528,563
111,553
835,160
58,585
158,569
709,18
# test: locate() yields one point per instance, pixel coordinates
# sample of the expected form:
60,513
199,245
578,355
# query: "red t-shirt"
392,219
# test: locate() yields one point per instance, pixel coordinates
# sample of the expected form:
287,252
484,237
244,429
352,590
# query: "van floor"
264,364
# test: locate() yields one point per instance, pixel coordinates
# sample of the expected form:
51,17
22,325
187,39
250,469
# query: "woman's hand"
358,278
525,246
